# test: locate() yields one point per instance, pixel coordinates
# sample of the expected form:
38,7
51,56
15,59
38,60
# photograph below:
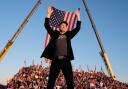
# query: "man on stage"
59,50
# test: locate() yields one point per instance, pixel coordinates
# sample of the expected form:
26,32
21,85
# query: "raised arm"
78,25
46,24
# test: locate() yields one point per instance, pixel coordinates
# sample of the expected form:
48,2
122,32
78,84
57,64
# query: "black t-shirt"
61,46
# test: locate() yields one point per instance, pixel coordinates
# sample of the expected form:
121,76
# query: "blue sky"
110,17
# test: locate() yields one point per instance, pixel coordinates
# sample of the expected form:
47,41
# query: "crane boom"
103,53
10,42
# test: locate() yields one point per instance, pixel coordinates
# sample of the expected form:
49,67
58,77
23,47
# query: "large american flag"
56,18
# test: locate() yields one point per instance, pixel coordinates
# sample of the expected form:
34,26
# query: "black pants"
66,67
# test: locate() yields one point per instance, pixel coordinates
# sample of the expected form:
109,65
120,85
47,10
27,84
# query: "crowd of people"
36,77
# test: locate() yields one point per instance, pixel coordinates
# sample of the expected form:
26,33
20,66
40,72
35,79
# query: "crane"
103,53
12,40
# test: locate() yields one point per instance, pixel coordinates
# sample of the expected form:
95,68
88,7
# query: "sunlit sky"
110,17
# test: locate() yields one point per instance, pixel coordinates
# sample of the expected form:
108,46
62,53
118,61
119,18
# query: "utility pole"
12,40
103,53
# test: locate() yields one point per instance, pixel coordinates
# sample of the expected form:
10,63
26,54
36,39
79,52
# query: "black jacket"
50,49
